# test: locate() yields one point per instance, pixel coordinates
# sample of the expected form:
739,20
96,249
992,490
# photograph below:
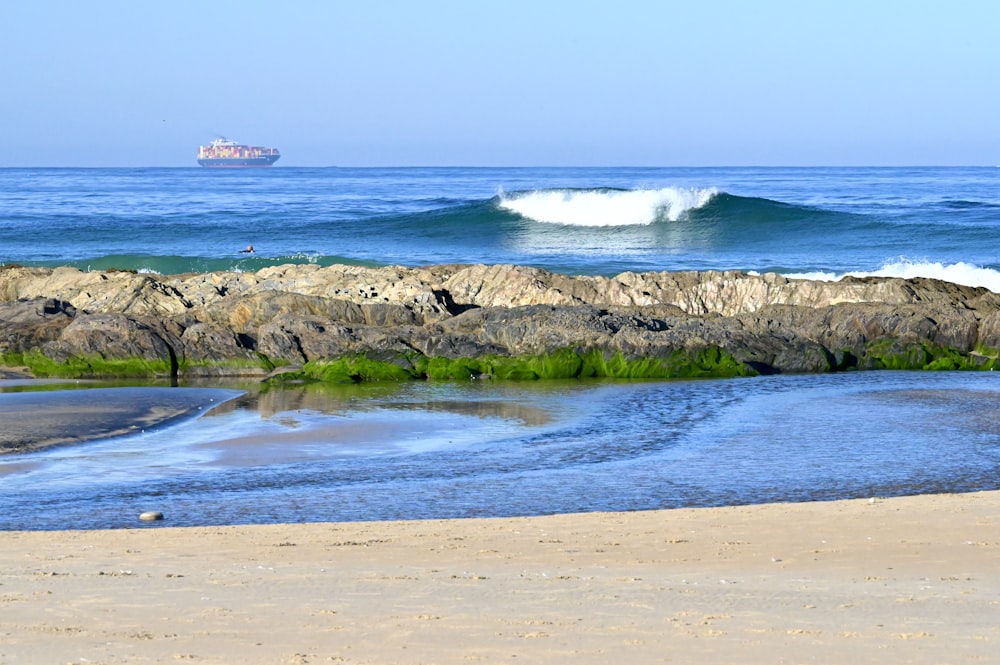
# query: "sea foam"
962,273
602,207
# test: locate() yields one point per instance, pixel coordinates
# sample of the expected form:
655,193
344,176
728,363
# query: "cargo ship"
224,153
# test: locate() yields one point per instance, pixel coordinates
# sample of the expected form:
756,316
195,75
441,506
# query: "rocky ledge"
456,321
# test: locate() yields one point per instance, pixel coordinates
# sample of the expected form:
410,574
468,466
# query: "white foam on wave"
962,273
595,207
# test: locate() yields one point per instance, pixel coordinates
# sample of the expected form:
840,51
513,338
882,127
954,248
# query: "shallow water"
442,450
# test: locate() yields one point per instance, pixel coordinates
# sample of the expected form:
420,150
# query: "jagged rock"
235,323
25,324
113,336
204,341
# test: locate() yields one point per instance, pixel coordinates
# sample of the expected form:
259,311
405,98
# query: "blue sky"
432,82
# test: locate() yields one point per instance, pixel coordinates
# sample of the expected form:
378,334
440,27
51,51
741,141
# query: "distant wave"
965,274
961,204
606,207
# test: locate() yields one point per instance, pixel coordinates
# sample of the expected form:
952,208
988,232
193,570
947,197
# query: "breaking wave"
962,273
606,207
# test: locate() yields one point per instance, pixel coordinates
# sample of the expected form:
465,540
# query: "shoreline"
908,579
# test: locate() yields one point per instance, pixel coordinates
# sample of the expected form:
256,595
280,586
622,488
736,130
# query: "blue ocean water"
453,450
818,222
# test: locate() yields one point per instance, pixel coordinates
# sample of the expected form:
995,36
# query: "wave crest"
606,207
965,274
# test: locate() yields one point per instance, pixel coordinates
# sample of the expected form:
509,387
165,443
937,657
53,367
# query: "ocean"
817,222
454,450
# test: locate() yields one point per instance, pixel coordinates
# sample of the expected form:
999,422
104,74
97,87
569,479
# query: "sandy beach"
902,580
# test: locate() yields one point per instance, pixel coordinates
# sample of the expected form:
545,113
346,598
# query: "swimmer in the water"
248,250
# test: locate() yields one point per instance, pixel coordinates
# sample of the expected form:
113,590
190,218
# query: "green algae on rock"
561,364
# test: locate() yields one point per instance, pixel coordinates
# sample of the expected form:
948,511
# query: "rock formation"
229,324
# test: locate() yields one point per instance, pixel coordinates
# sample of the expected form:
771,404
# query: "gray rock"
239,323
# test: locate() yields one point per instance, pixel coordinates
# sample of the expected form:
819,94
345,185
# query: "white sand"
912,580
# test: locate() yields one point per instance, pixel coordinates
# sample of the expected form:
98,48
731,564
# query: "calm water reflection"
421,450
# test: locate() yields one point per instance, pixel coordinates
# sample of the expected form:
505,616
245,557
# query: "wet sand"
42,419
910,580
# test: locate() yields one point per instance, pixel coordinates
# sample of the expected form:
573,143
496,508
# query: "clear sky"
506,83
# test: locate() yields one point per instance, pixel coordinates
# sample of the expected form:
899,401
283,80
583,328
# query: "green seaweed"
353,369
560,364
236,363
96,366
92,366
890,354
448,369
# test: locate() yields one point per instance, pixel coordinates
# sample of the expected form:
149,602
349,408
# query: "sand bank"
899,580
35,420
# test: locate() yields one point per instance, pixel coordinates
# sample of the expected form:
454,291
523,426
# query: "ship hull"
238,163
